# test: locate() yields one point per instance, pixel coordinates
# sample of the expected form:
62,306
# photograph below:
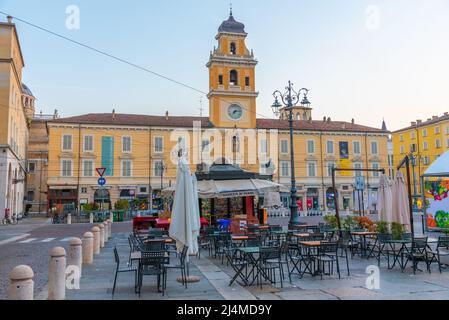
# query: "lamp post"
413,162
291,98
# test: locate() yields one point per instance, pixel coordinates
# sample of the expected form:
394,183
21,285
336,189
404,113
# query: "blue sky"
360,59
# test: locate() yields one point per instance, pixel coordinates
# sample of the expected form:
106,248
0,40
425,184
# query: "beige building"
14,122
139,151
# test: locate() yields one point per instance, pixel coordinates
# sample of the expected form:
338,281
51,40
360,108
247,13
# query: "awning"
208,189
439,168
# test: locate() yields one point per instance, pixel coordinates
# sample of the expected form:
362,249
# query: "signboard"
101,182
101,171
344,158
360,183
437,198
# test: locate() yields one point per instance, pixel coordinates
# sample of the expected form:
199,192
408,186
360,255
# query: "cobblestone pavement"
30,242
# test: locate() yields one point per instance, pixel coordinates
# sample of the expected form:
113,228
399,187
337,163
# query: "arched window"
298,116
233,48
233,77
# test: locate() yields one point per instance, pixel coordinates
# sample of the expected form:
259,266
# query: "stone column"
101,226
88,248
69,218
21,284
91,218
74,256
56,274
96,233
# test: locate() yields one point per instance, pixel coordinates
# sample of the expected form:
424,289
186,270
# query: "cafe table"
252,256
398,255
311,248
363,235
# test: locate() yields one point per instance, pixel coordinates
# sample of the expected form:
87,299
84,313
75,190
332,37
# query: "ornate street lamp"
413,163
291,98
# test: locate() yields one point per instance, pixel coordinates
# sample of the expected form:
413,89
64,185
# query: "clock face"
235,111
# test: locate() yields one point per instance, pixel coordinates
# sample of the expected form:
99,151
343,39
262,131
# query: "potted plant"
397,230
382,227
349,223
331,221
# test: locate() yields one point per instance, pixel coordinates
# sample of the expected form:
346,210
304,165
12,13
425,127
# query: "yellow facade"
426,141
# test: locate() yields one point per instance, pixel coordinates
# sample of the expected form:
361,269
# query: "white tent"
439,168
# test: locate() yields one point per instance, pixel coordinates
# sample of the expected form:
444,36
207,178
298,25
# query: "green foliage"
90,207
331,221
121,205
382,227
349,223
397,230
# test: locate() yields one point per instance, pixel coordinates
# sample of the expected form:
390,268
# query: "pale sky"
361,59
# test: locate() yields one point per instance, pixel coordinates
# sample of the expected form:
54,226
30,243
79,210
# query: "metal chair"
270,260
442,250
151,264
328,254
181,266
122,270
418,253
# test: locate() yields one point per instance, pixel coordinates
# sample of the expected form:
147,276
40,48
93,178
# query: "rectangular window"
88,143
285,169
158,168
84,190
358,166
356,147
425,160
330,165
88,168
107,155
425,145
402,150
30,196
401,138
311,169
330,147
447,130
126,144
126,168
447,143
413,147
374,149
67,142
205,145
66,168
437,143
376,167
310,146
158,144
437,130
263,146
31,167
220,79
413,135
284,146
247,81
424,133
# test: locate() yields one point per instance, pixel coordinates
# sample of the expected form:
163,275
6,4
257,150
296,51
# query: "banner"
344,159
437,199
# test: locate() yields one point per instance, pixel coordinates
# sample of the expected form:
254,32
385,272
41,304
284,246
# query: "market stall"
435,198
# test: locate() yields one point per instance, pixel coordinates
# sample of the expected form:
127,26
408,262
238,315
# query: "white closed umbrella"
385,199
184,226
401,207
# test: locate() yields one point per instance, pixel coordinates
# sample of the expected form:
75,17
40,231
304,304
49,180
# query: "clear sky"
360,59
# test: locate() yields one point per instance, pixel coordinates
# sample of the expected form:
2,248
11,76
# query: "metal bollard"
75,256
56,274
96,232
101,226
69,218
21,284
88,248
91,217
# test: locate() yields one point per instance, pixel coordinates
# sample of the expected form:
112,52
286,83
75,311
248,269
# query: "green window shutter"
107,155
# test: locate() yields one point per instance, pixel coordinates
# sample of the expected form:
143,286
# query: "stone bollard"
88,248
69,218
21,284
101,226
96,232
91,218
56,274
107,234
75,255
111,217
109,228
106,226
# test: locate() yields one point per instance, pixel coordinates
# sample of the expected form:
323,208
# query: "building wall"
13,123
426,151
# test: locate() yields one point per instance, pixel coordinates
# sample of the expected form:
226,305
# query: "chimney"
55,114
329,119
352,121
418,121
413,123
446,113
113,113
166,115
434,117
9,19
429,119
324,119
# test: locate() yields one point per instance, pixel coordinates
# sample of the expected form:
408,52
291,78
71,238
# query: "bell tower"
232,87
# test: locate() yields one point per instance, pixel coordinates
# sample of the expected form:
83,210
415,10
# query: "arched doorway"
330,198
103,198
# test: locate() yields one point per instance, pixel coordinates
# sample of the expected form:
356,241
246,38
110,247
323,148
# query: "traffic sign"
101,171
101,182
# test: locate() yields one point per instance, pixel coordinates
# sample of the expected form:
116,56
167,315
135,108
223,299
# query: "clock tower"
232,89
